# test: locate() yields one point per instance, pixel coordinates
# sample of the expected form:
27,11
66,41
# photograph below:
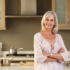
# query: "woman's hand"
58,61
43,53
46,54
62,50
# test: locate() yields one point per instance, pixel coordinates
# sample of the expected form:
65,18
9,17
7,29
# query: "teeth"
48,25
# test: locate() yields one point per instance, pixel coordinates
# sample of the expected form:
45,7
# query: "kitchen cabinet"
15,9
2,15
61,7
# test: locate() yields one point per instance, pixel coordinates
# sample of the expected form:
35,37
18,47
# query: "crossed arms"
55,56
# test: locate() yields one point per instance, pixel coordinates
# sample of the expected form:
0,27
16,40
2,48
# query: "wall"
66,37
20,33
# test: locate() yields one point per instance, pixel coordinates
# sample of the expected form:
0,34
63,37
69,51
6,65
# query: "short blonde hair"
54,29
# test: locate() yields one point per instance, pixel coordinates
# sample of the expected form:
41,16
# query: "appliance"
23,55
16,58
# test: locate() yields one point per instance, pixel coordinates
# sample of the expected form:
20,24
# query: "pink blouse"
41,44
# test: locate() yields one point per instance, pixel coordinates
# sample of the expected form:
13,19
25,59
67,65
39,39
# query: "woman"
49,49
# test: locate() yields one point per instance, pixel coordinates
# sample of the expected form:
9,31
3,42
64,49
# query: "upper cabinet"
35,9
2,15
27,8
61,7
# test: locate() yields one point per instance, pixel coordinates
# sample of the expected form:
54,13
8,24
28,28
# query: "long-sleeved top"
41,44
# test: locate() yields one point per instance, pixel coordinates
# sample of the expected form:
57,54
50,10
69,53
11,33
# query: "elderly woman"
49,49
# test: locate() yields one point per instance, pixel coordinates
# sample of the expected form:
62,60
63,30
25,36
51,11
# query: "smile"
48,25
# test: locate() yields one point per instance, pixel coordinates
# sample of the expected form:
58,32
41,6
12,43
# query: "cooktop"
30,55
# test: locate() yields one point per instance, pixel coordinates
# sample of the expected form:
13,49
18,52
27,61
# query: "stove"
16,58
23,55
20,56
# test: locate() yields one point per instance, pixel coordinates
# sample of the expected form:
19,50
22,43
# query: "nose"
49,21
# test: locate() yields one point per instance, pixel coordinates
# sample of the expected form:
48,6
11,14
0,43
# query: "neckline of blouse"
46,39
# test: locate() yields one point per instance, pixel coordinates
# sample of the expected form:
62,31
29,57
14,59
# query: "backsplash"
20,33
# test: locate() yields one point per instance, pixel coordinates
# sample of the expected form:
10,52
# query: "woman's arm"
38,56
50,59
57,56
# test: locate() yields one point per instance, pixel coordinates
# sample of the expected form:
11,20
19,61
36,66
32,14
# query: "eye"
47,19
52,20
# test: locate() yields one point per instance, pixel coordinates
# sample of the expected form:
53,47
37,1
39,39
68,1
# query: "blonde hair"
54,29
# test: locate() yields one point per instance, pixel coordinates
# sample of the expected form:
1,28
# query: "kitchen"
20,30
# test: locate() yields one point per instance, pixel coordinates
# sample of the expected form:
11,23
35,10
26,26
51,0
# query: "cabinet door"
2,14
60,7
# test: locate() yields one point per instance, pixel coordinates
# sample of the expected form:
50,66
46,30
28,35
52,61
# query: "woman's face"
49,22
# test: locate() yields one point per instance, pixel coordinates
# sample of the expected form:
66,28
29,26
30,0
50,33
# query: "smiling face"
49,21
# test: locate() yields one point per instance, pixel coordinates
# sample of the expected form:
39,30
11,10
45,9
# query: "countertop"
67,68
16,67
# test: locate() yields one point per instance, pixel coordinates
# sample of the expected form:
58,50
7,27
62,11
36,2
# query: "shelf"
27,7
3,28
22,16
